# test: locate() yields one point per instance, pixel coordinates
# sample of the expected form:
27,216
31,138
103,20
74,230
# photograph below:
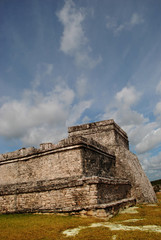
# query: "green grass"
51,227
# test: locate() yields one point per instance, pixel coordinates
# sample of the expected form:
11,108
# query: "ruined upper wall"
105,132
47,148
75,156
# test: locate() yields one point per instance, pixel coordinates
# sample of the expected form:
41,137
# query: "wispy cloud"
157,110
77,111
43,71
81,86
118,26
74,41
158,88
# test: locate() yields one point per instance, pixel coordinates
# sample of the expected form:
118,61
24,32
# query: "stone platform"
91,172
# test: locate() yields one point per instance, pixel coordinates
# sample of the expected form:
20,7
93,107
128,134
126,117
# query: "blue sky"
70,62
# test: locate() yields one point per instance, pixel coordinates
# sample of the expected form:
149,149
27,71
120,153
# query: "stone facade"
90,172
127,165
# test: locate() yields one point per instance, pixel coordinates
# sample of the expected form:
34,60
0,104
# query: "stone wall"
56,178
60,196
71,157
63,195
53,164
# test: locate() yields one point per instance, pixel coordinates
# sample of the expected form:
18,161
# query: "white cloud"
19,117
155,162
151,165
157,110
128,96
138,131
143,134
121,111
118,26
73,41
150,141
73,35
136,19
41,117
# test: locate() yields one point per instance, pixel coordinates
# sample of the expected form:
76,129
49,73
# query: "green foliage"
156,182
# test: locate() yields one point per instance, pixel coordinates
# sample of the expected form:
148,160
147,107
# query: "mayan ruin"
91,172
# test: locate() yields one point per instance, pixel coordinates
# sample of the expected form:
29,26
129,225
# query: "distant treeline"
156,185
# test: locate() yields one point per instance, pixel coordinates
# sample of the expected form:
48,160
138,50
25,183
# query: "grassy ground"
51,227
